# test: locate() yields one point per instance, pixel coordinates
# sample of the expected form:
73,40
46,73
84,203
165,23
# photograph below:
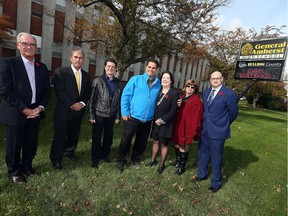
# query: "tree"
5,27
135,30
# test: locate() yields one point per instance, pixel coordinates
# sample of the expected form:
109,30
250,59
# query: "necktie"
211,96
77,76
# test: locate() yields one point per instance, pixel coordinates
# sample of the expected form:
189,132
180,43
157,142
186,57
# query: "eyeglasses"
25,44
189,86
216,78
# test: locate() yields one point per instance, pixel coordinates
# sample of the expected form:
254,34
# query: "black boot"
177,154
183,160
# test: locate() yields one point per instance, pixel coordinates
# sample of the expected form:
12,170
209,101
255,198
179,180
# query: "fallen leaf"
194,201
86,204
180,188
74,209
193,177
225,210
118,206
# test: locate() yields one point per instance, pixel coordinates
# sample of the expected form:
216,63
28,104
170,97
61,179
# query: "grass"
254,169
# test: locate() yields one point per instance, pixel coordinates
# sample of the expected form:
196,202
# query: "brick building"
46,19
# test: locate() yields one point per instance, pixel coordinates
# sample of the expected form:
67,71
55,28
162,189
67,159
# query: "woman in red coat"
187,124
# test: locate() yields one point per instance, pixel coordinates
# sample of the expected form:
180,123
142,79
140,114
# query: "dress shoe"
31,172
197,179
18,178
161,169
213,190
151,163
106,160
71,156
57,166
136,162
95,165
120,166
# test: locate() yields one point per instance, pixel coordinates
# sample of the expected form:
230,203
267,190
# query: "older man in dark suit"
72,85
220,110
25,89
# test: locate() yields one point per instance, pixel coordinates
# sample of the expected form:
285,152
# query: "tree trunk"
255,101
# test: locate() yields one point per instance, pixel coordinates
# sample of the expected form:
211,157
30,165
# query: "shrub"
269,102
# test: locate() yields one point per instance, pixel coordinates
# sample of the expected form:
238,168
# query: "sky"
253,14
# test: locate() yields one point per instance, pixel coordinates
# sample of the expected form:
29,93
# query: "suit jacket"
166,110
67,92
219,115
16,91
101,104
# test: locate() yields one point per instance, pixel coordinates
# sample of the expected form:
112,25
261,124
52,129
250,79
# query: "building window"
141,68
38,1
92,59
57,50
8,44
37,14
60,5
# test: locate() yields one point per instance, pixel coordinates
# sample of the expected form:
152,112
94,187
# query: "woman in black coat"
165,111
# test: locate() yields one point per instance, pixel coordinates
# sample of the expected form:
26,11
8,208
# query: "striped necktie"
77,76
211,96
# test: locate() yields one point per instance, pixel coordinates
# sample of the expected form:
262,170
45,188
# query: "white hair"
25,34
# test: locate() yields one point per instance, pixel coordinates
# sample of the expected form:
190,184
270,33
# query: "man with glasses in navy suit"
220,110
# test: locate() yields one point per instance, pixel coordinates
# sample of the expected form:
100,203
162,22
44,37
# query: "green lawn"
254,169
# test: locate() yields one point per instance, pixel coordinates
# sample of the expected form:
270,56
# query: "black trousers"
66,136
142,130
21,139
101,150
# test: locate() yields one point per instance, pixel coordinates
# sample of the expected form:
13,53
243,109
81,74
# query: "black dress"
165,109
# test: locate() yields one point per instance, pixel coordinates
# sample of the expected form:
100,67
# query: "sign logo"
246,49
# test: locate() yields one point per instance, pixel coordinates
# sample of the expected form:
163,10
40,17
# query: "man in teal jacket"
137,109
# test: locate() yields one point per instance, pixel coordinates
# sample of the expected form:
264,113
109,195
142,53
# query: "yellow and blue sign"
262,60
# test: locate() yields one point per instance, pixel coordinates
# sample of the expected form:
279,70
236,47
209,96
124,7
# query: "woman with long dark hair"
165,110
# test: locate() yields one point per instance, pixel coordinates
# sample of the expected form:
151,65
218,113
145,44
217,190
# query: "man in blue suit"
220,110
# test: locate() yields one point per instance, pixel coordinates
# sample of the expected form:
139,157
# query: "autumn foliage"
5,26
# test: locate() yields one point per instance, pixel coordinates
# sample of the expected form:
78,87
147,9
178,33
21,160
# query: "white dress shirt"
30,69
